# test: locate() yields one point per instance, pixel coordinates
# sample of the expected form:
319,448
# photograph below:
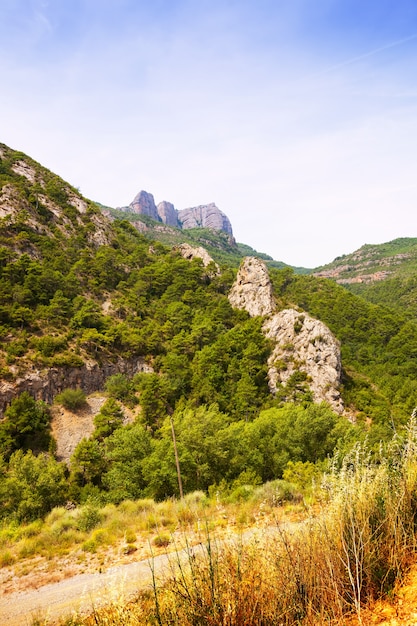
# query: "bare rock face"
205,216
45,385
188,252
24,169
301,343
168,213
252,289
144,204
307,345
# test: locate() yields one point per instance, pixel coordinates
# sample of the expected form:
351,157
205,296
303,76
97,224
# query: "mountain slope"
383,274
90,303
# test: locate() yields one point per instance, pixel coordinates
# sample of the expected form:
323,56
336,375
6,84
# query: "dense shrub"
71,399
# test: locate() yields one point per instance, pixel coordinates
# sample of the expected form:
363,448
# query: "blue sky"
298,118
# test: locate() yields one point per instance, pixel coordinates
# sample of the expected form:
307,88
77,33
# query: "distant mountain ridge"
372,263
202,216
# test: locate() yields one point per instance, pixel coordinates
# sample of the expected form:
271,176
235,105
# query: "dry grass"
334,564
90,538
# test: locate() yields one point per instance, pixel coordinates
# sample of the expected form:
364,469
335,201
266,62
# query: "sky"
298,118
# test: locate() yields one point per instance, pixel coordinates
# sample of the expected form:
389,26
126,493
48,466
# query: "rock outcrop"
45,385
144,204
168,214
188,252
252,289
202,216
205,216
301,343
304,344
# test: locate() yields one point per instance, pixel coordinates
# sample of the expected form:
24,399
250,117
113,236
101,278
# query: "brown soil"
399,610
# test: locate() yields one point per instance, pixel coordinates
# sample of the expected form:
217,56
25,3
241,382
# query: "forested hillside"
382,274
77,289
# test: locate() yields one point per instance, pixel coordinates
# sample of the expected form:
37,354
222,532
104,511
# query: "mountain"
202,216
93,304
383,274
200,226
373,263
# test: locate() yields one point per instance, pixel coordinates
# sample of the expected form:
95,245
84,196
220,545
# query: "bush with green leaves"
26,426
71,399
30,486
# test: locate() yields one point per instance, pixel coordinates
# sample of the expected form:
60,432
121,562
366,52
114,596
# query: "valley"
145,356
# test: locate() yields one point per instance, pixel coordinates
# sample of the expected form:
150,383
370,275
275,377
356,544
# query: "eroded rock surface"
46,384
168,213
144,204
205,216
189,252
301,343
304,344
252,289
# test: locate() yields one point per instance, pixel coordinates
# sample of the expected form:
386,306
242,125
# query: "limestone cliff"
252,289
202,216
304,344
189,252
205,216
168,214
301,343
46,384
144,204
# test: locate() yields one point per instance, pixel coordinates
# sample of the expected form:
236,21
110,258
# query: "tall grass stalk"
354,550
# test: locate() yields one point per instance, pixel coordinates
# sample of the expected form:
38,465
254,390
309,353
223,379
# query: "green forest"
68,296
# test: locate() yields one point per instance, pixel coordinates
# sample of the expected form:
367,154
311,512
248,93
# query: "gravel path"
82,592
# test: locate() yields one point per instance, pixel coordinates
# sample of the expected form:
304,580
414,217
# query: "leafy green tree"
119,387
108,419
126,450
26,425
88,463
294,433
153,399
87,314
31,486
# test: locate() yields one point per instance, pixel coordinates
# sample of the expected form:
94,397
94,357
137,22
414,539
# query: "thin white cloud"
370,53
198,107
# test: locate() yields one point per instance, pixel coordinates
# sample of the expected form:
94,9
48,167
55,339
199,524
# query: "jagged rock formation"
202,216
252,289
45,385
304,344
168,214
188,252
205,216
301,343
144,204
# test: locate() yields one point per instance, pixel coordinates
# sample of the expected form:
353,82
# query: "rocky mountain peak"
144,204
202,216
205,216
252,289
168,213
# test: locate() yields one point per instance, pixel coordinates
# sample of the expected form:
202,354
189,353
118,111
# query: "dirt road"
82,592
